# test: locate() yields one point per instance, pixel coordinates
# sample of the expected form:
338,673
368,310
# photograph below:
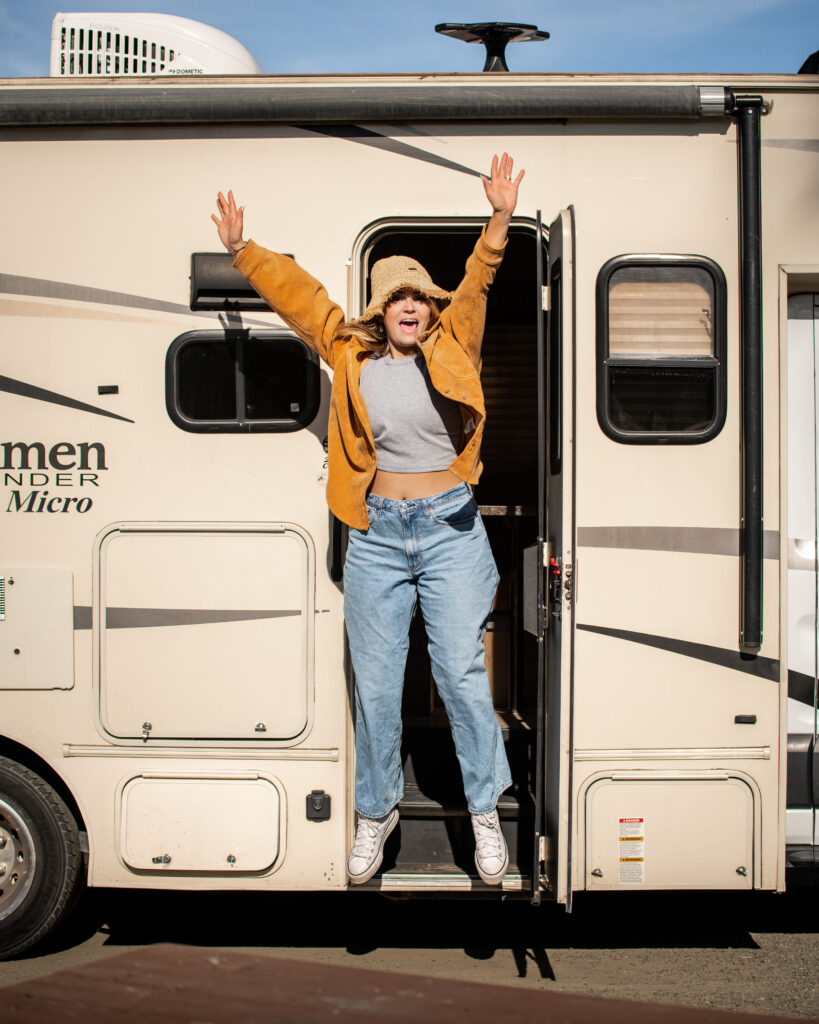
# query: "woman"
406,421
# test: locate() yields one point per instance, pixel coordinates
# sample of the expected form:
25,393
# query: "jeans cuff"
501,789
378,814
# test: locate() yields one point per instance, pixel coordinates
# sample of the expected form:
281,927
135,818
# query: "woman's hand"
500,190
231,222
502,193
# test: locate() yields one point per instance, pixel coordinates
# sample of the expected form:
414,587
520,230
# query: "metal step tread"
441,878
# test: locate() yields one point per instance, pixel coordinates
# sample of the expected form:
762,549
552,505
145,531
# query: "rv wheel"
41,865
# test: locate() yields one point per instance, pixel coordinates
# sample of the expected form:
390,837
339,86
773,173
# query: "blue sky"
316,36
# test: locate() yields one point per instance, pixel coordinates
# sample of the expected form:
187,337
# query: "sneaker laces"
366,837
488,837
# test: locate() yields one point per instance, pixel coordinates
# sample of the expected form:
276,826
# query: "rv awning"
276,103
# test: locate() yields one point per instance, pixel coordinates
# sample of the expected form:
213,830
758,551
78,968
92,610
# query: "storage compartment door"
683,833
206,634
200,823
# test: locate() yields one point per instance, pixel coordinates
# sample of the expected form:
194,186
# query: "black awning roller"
275,103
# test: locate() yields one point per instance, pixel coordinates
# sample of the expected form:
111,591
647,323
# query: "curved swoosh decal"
765,668
19,387
140,618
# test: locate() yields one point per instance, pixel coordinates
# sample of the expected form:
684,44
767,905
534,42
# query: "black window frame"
239,423
605,362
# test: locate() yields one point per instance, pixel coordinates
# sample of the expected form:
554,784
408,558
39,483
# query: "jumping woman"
406,420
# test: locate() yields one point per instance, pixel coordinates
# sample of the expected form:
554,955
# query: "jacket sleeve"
465,316
299,299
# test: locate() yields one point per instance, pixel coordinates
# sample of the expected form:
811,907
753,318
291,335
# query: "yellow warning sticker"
632,860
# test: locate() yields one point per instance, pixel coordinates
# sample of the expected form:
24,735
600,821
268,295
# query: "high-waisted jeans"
433,550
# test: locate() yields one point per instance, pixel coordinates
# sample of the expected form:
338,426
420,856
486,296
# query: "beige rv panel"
169,824
185,612
670,833
36,629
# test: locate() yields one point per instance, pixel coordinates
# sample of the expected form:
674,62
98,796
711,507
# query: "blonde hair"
370,332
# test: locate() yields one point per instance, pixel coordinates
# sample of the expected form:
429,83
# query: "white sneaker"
491,855
368,849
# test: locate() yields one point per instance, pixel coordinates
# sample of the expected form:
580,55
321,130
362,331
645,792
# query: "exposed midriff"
406,486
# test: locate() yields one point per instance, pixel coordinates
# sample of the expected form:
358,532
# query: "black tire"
40,852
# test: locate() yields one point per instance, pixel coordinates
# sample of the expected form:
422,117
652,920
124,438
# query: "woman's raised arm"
298,298
502,193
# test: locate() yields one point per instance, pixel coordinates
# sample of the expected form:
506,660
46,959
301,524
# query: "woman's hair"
371,332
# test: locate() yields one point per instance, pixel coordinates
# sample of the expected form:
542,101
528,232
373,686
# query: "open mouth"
408,325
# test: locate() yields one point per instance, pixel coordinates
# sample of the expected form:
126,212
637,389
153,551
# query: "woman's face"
406,317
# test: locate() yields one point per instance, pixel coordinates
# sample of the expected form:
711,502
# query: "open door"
552,564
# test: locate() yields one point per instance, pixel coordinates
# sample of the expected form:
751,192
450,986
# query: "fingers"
502,169
227,207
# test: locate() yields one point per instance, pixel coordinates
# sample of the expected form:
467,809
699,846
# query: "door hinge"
543,851
545,298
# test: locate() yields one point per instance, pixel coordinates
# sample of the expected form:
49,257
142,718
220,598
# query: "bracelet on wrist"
235,252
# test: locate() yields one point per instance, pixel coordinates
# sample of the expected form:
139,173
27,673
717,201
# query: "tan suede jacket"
451,348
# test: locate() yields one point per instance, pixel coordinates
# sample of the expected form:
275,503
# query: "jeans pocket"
461,511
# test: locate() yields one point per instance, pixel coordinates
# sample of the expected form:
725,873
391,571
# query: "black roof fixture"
494,35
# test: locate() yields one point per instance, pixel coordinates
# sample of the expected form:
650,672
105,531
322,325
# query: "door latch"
555,585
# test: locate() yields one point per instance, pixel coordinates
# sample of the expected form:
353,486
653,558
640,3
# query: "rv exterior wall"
656,681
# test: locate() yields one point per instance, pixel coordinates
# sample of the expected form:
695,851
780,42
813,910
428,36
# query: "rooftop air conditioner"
101,45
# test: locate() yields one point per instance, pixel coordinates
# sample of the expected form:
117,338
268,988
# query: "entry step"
511,807
446,881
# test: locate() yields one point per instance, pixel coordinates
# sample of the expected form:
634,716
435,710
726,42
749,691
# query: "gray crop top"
416,429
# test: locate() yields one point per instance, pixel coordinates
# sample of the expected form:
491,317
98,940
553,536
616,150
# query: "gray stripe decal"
699,540
765,668
19,387
137,618
806,145
355,133
12,284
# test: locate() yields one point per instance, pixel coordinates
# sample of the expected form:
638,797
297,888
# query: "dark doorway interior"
434,835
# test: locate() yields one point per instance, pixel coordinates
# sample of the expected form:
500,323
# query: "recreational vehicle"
175,693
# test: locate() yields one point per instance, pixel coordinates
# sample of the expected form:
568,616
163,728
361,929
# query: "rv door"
550,566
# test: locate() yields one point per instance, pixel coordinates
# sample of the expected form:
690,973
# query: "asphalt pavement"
754,952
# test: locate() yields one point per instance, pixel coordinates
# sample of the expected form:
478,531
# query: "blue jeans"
433,550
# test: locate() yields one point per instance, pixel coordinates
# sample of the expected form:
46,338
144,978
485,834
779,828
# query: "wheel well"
22,755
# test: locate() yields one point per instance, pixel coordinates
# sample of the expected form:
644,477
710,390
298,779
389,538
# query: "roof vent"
495,35
101,45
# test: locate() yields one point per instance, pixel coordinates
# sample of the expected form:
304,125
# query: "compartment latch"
318,806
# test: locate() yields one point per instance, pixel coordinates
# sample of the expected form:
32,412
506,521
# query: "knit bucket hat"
392,275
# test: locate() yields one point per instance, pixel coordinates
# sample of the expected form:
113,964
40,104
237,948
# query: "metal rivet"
231,859
597,872
260,727
742,871
16,650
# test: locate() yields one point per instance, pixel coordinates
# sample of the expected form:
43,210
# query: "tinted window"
241,381
661,349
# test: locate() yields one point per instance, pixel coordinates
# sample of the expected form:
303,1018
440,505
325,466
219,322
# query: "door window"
661,349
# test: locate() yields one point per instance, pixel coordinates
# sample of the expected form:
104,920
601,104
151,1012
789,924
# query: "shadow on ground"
361,922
